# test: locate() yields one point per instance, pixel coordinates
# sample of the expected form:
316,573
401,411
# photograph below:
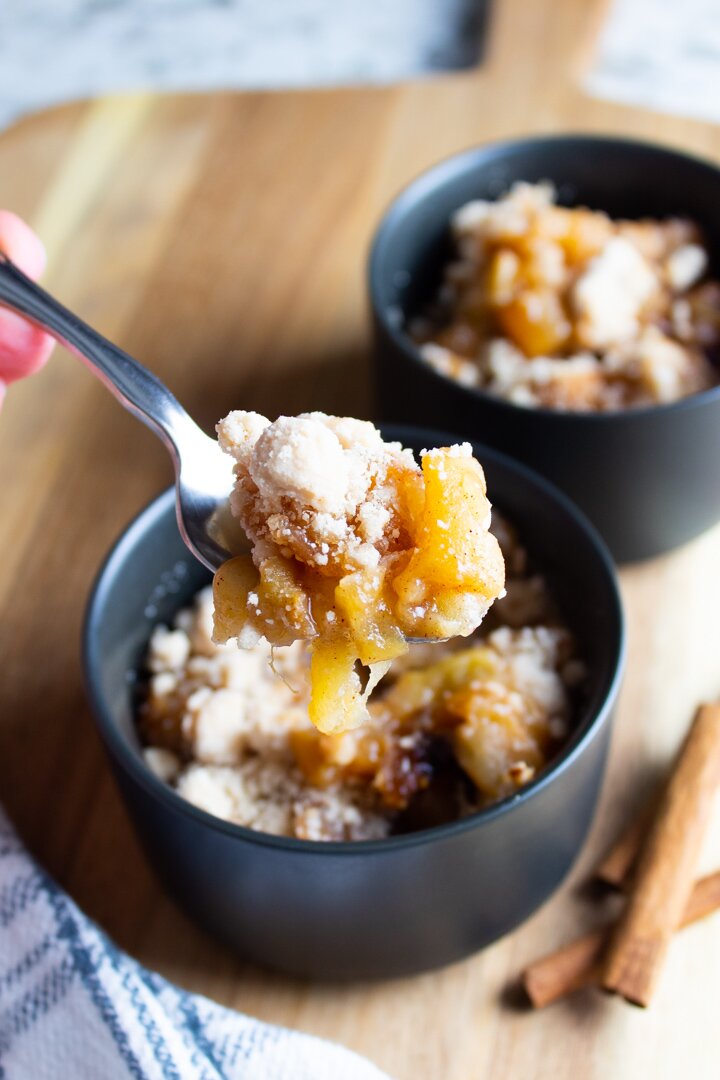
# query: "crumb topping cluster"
325,490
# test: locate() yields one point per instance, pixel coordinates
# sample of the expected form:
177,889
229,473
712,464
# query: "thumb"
23,347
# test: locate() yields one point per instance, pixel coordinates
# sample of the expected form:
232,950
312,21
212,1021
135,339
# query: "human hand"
23,348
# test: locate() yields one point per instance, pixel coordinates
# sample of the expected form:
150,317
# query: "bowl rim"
131,762
446,169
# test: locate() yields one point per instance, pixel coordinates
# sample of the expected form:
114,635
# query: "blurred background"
657,53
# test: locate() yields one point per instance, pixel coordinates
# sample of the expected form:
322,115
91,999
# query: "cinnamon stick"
664,876
704,899
578,964
567,969
616,867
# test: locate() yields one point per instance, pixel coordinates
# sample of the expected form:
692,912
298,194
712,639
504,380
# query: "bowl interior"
150,575
624,178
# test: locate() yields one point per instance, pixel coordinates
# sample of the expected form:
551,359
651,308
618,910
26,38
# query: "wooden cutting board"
222,239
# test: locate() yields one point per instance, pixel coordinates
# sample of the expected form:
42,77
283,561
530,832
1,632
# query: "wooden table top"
221,239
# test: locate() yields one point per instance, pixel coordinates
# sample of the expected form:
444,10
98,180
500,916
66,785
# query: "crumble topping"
609,295
569,309
322,489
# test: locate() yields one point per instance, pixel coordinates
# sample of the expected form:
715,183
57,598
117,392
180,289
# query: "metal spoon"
203,473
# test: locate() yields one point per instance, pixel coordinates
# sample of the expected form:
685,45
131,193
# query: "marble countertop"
60,50
658,53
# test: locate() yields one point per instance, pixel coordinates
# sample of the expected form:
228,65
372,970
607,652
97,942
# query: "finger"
20,243
23,347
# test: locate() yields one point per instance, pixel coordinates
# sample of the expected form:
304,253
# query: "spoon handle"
136,388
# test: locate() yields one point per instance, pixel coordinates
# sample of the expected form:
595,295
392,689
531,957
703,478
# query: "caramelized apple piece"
361,599
314,757
493,744
231,585
425,688
411,492
337,697
284,602
330,759
273,603
535,322
587,235
455,556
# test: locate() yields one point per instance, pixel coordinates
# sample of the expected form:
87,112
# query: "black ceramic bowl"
647,478
371,908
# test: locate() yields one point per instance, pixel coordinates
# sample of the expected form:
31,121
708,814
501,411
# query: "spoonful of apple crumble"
355,547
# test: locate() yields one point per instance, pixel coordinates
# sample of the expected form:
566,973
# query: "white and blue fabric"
73,1005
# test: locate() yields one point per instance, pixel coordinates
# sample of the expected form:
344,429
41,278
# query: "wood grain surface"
221,239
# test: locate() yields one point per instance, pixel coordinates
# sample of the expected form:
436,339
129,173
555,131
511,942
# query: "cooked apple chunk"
354,548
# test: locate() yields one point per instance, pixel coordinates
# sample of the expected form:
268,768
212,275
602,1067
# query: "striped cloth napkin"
72,1005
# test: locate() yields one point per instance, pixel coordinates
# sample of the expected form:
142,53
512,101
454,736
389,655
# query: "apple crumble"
450,728
355,547
568,309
